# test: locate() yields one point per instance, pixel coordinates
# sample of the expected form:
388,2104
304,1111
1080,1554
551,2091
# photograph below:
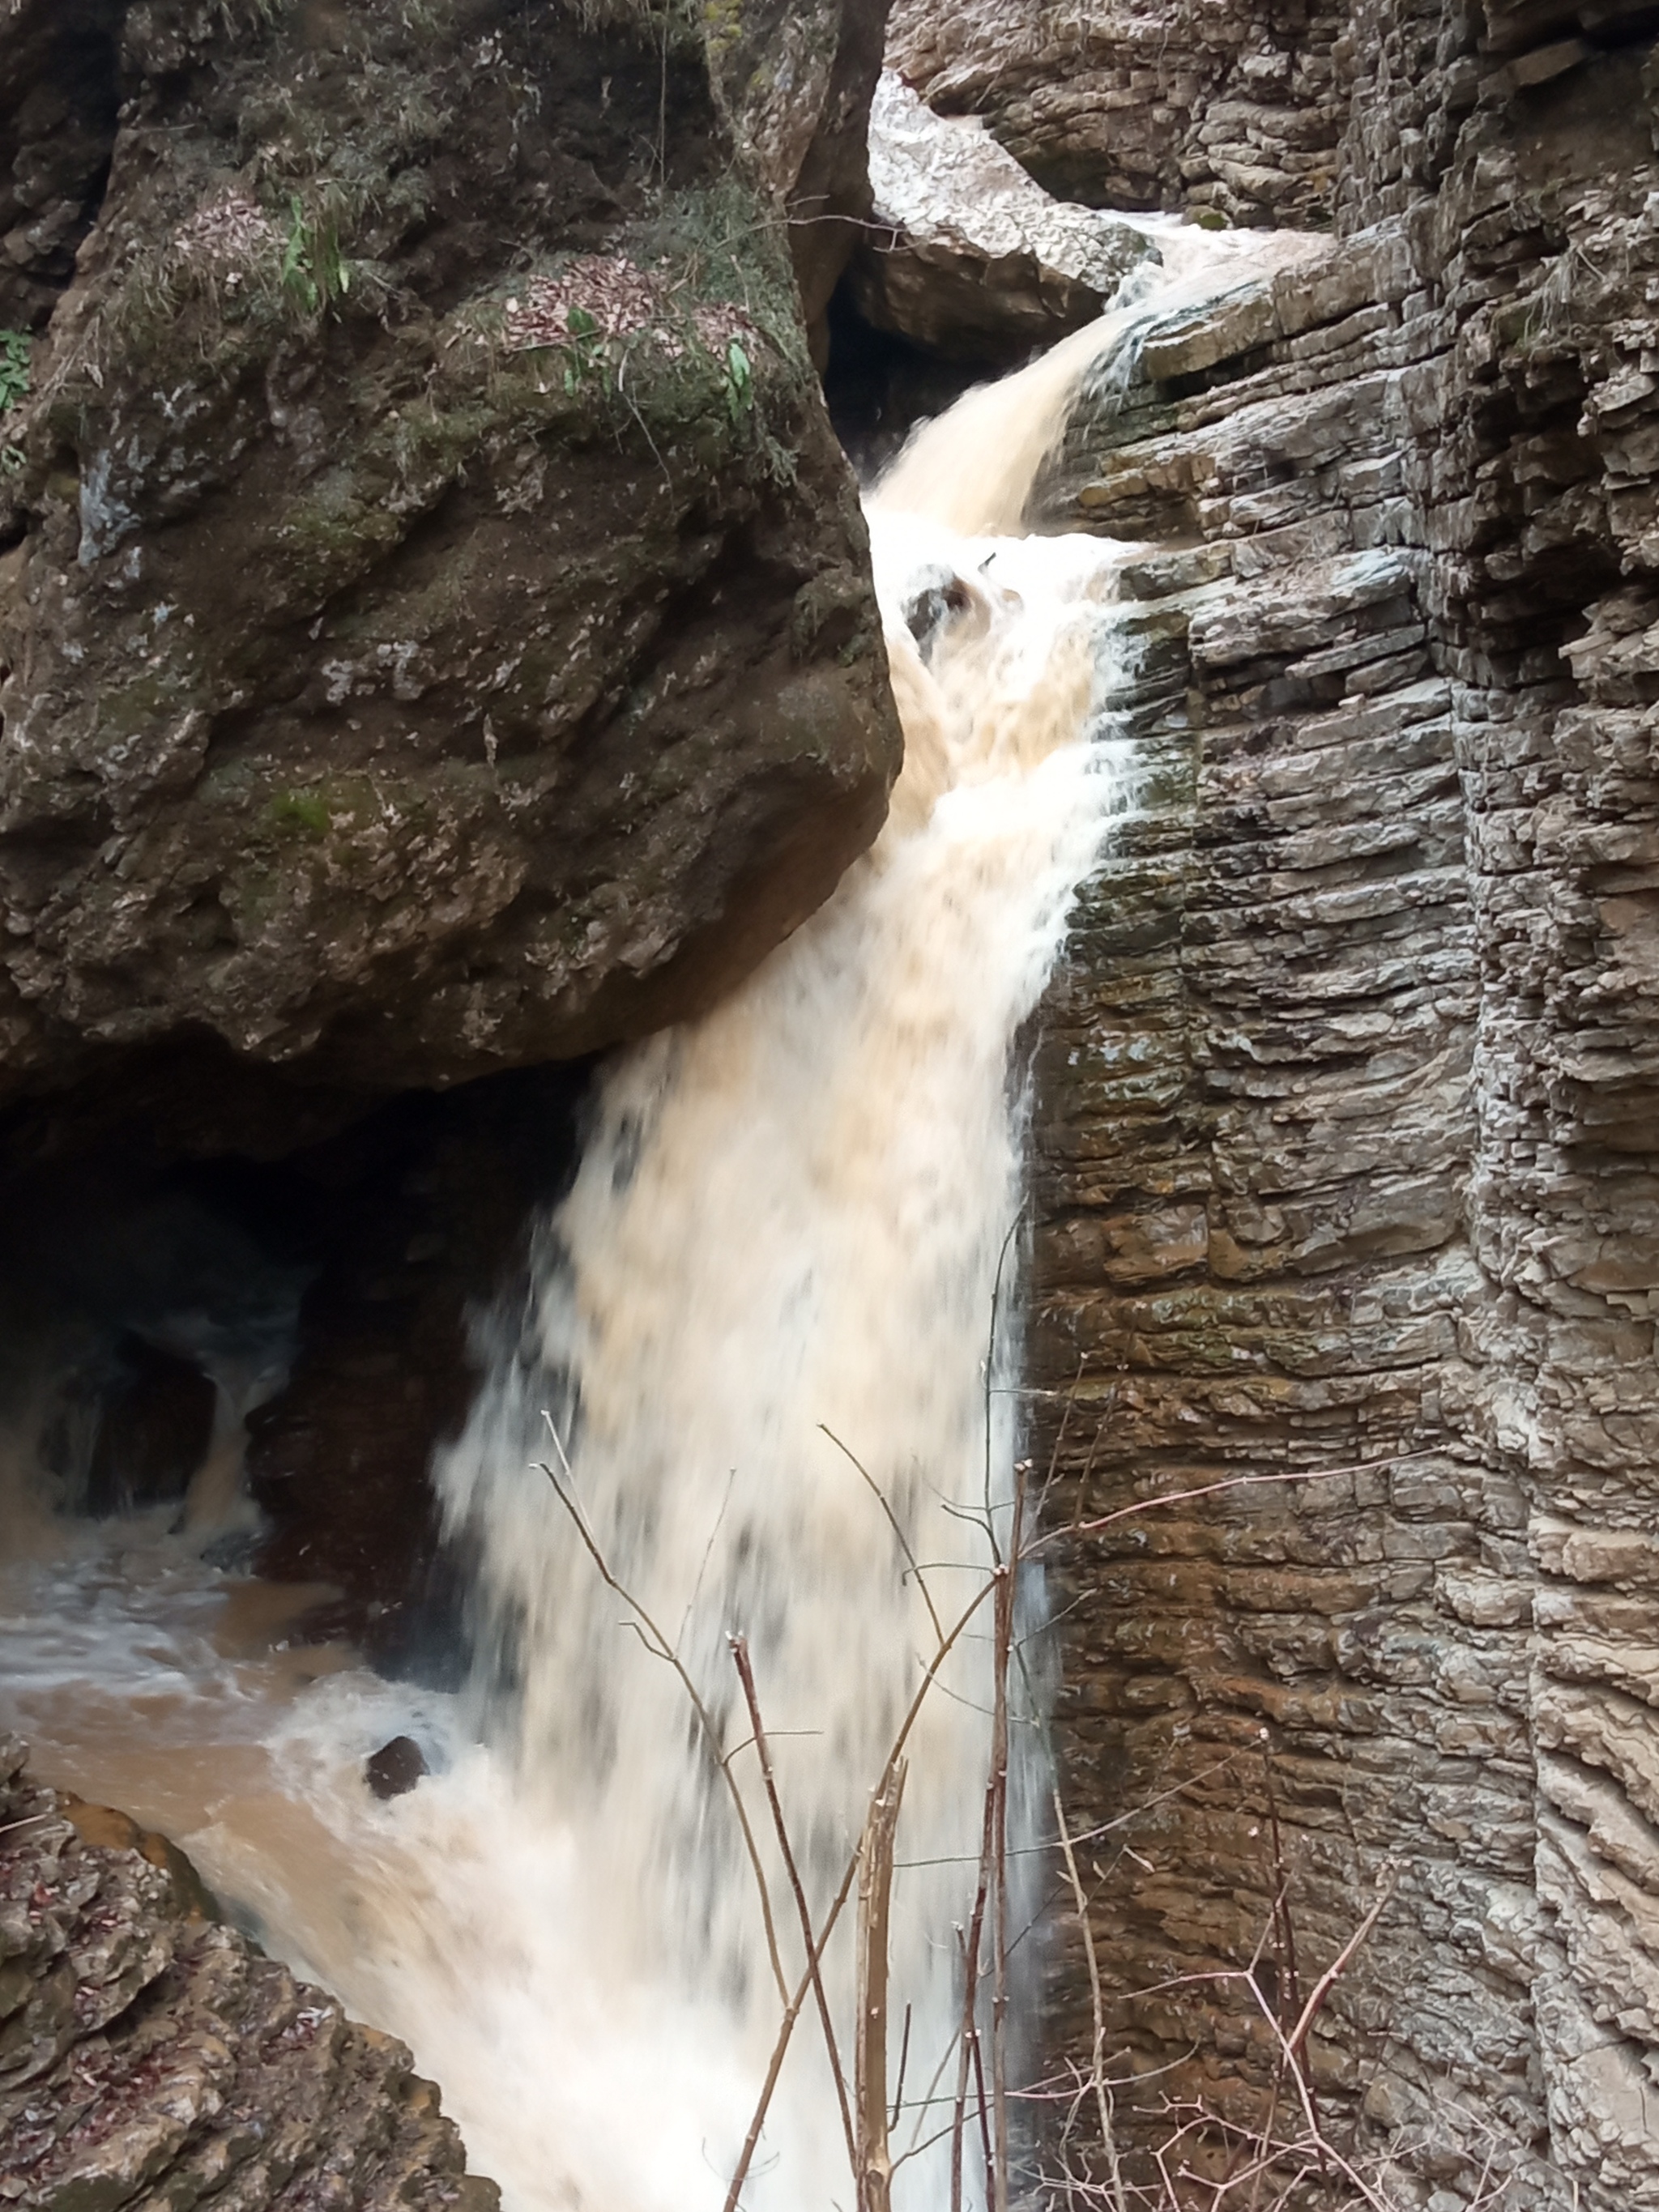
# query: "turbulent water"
760,1357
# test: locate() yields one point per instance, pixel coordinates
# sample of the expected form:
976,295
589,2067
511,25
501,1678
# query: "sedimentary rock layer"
1348,1153
1236,109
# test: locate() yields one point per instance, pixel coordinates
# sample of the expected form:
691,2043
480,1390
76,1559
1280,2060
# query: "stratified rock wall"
1235,107
150,2057
402,679
1348,1152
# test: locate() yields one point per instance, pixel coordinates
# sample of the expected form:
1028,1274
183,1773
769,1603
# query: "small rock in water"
396,1767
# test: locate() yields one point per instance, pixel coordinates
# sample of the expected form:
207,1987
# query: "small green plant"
739,382
15,349
305,813
315,272
586,349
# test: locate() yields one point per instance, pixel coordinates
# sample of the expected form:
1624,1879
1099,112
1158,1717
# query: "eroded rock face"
58,95
796,76
1236,107
149,2056
967,256
402,682
1348,1149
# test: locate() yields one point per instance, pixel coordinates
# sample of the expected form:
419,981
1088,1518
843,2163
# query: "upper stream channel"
770,1356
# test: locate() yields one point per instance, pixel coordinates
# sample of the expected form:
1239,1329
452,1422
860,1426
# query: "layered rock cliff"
1347,1149
1234,112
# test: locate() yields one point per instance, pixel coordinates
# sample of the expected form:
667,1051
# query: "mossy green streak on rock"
300,813
499,700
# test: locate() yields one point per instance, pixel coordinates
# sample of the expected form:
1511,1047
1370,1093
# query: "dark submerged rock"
395,1768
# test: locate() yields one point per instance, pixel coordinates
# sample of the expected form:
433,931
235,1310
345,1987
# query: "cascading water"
780,1254
780,1251
760,1325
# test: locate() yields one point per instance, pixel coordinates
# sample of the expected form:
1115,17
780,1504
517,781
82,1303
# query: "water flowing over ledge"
759,1326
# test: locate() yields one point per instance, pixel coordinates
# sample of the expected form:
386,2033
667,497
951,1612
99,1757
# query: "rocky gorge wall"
1346,1137
1346,1148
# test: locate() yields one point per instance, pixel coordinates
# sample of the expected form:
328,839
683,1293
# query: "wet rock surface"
966,255
796,78
149,2056
395,1768
392,693
416,1227
1347,1152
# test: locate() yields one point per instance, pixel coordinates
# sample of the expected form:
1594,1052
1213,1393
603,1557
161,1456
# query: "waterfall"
765,1357
780,1256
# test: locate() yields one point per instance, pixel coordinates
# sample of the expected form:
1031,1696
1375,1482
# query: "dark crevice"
880,386
59,99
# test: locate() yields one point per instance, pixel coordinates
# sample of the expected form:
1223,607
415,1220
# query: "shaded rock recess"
150,2056
1348,1150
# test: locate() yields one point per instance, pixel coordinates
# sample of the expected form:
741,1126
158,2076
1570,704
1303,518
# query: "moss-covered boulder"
437,620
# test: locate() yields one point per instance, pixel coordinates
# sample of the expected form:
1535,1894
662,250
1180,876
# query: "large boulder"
1236,107
967,255
437,630
150,2056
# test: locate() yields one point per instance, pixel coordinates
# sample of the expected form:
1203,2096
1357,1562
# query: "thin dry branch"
739,1646
904,1544
659,1646
874,2163
792,2010
1214,1489
1097,2080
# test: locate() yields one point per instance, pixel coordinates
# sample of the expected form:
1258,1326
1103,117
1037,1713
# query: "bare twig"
904,1544
739,1645
874,2165
999,1844
1232,1482
1096,2009
658,1645
905,2061
1386,1884
792,2010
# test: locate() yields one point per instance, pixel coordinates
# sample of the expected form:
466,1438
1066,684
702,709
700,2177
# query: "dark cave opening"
185,1317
